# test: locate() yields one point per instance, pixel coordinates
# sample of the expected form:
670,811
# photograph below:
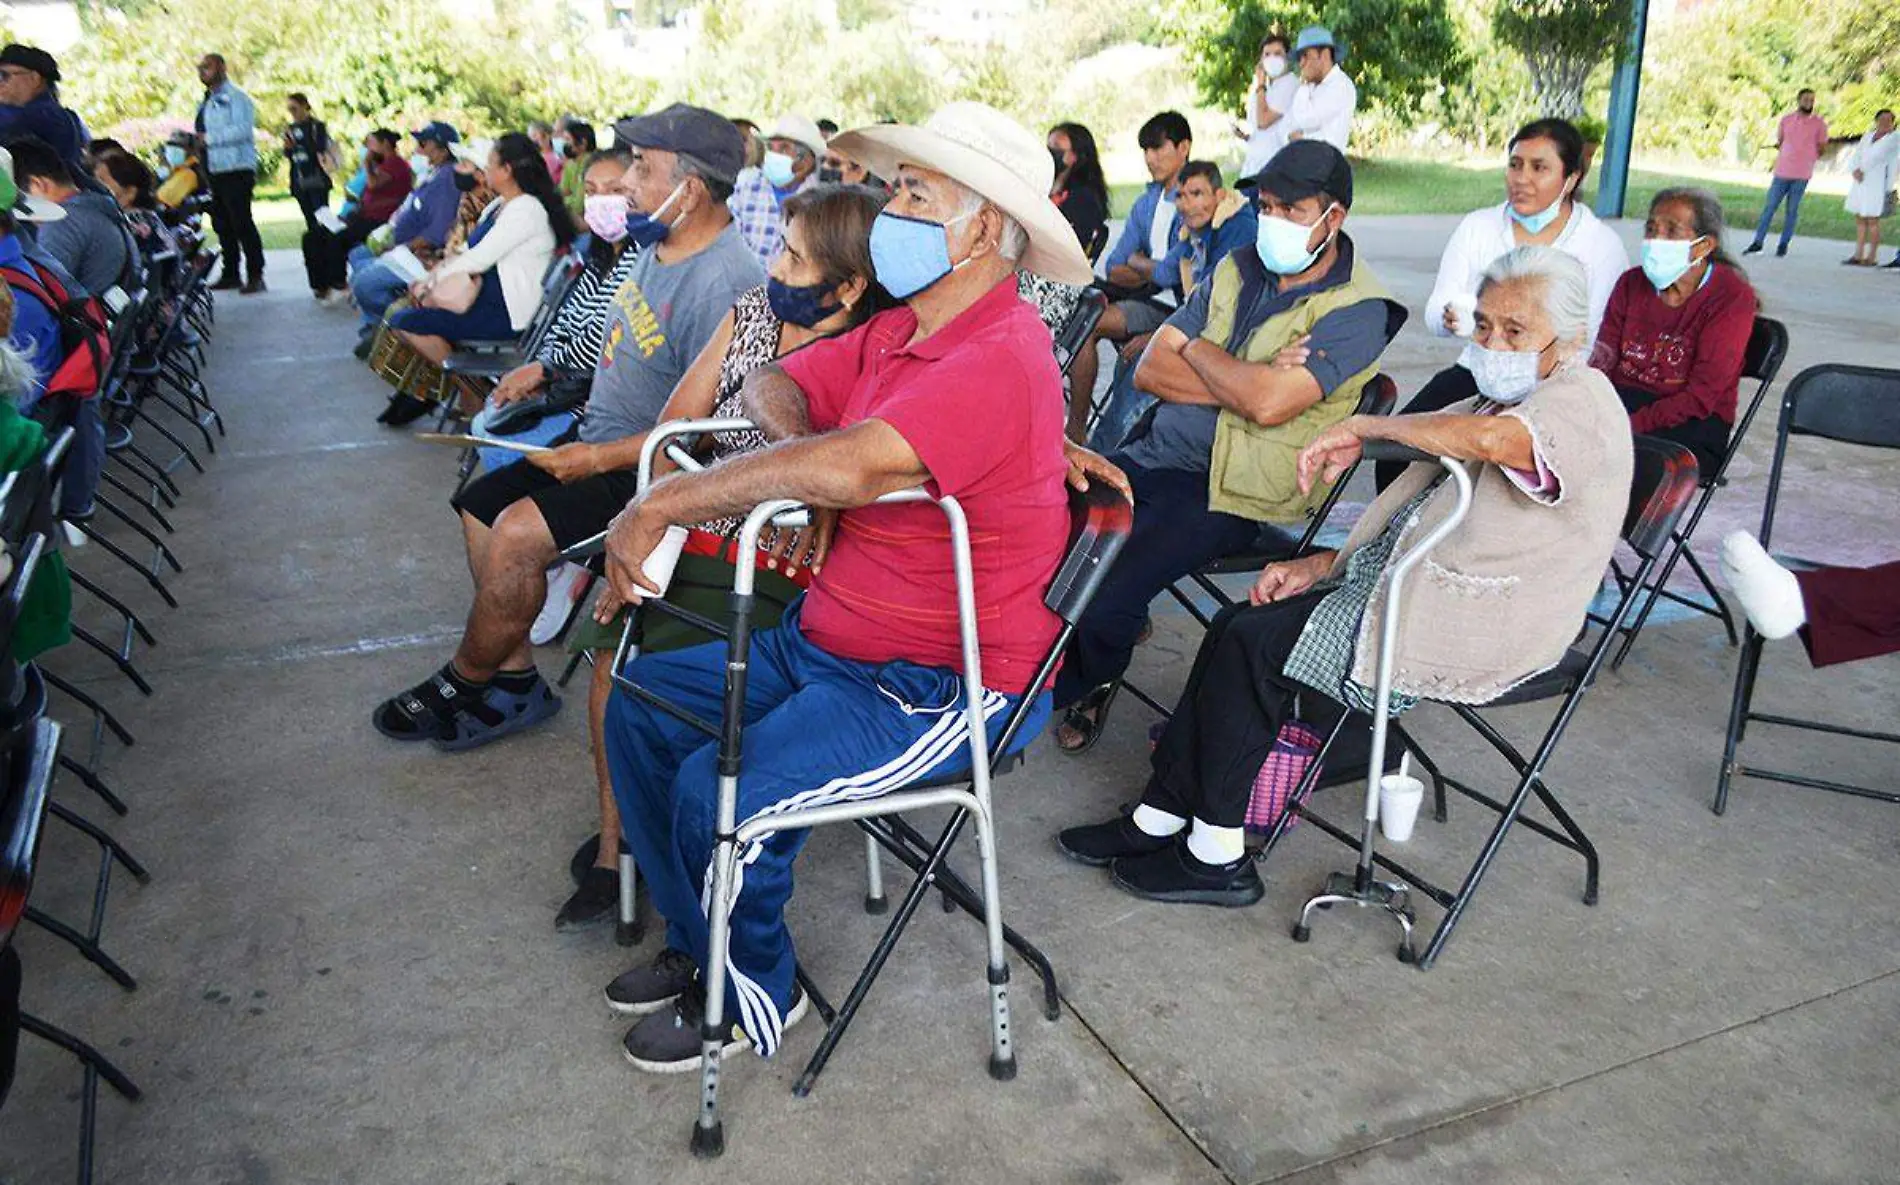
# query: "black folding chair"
1075,331
486,361
1767,348
1664,483
1853,405
1100,523
1378,399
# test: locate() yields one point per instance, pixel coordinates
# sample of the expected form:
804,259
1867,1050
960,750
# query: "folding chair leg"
132,620
184,450
1715,599
148,503
85,946
148,468
164,552
94,783
104,718
1591,864
101,837
1455,911
95,1067
1739,707
573,664
123,556
874,900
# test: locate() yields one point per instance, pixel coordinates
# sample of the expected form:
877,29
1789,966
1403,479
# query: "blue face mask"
174,155
801,306
1665,260
911,254
777,168
1281,244
646,230
1537,223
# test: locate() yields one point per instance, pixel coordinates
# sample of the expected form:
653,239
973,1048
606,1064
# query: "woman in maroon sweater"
1676,333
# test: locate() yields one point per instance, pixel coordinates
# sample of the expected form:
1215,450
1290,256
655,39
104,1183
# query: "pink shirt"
1802,139
980,402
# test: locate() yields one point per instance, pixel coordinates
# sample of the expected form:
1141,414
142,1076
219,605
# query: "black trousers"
326,253
231,218
1174,534
1235,702
1707,437
310,201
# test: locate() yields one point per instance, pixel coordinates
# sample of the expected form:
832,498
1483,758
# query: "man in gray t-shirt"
692,268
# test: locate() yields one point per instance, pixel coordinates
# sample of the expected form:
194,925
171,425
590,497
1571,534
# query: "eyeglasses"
11,72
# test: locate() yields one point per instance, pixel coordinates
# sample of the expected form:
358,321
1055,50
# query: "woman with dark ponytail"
508,253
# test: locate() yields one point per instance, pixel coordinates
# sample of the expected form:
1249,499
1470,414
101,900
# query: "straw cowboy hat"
979,147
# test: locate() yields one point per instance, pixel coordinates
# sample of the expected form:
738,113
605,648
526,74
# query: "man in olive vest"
1270,352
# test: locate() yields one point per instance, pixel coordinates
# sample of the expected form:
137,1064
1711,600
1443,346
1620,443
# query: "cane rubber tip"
1003,1069
876,905
1407,955
1302,933
709,1142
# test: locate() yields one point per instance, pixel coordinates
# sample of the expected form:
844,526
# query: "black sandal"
421,713
404,409
1097,700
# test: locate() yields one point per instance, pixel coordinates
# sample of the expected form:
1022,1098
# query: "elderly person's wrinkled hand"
1332,453
517,384
802,547
1085,464
631,538
1290,578
568,463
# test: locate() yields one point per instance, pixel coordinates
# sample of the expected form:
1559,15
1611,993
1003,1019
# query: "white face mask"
419,164
1504,376
1274,64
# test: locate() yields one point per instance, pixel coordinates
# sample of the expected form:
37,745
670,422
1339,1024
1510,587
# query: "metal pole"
1613,183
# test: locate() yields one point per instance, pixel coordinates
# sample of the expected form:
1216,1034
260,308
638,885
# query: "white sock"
1216,845
1157,823
1769,593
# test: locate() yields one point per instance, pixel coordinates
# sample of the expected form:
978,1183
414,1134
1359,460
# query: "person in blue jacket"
227,123
29,105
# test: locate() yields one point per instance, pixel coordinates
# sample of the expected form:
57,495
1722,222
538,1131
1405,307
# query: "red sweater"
388,185
1690,358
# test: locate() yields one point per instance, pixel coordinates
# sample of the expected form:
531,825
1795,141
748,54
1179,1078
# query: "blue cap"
442,133
1318,37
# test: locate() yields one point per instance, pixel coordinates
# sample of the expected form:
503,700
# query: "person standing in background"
1323,105
1799,141
311,155
1268,101
542,133
1876,165
581,145
227,124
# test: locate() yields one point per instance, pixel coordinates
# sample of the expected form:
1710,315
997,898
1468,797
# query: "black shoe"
585,856
1100,843
227,283
365,342
1752,249
404,409
654,986
1895,261
252,286
1781,252
596,901
1173,875
669,1043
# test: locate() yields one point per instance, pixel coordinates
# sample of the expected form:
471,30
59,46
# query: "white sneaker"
566,583
1769,593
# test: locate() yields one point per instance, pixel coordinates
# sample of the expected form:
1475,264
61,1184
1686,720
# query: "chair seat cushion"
1557,681
491,365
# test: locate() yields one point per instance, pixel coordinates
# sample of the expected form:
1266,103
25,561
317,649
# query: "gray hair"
1705,211
1015,240
16,373
1566,287
717,183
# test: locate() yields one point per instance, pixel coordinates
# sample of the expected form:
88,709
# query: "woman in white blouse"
508,254
1876,166
1541,179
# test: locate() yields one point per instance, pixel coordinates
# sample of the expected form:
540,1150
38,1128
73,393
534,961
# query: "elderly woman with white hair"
1548,446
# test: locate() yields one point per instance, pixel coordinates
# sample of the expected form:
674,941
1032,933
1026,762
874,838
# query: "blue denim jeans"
374,286
1779,188
1124,406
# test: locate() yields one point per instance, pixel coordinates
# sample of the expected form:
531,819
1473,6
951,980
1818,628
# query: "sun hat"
979,147
1318,37
22,205
474,152
798,130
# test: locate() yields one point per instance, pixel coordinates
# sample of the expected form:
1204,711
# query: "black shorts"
574,512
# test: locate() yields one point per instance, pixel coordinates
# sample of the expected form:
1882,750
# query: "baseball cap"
1304,168
706,136
22,205
31,57
442,133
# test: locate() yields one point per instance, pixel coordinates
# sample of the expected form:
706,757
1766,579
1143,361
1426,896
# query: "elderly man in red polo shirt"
857,692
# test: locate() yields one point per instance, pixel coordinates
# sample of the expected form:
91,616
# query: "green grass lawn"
279,221
1427,187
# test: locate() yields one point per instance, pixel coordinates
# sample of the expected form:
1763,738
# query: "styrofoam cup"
660,562
1399,799
1464,313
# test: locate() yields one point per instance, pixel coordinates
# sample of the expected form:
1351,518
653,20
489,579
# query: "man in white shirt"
1269,100
1323,106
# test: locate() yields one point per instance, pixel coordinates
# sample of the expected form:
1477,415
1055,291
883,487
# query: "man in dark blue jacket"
29,104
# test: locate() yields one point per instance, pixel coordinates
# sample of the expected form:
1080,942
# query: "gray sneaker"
668,1042
654,986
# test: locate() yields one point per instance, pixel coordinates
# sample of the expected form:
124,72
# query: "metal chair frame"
1809,408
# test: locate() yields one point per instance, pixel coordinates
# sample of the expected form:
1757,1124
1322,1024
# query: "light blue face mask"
1537,223
1503,376
908,255
174,155
1665,260
1281,244
777,168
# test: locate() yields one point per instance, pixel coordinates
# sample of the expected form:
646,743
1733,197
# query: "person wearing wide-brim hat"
857,691
1323,106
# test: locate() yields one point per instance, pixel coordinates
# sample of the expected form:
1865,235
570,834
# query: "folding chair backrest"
26,498
1379,398
1075,331
1767,349
1851,404
1098,241
1662,485
26,774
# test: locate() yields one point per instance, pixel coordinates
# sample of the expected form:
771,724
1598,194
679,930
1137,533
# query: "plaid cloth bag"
1294,751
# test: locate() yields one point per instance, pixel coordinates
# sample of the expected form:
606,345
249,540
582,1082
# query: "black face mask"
828,176
465,182
1056,156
